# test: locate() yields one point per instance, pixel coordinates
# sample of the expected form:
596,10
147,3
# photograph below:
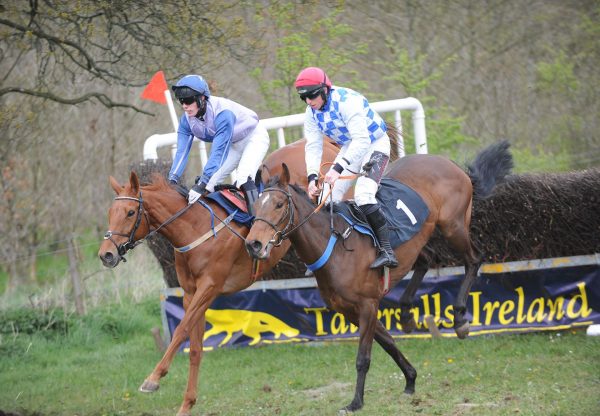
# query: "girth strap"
207,235
325,256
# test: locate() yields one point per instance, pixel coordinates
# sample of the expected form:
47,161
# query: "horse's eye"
131,213
279,205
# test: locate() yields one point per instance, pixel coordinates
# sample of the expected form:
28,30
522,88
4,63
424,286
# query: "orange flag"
155,90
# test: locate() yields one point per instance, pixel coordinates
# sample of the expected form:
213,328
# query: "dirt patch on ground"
320,392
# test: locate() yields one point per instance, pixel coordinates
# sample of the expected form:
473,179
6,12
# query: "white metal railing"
155,141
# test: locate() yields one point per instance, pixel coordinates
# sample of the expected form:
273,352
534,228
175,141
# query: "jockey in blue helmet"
238,141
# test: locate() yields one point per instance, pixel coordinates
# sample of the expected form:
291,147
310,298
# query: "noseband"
280,235
130,243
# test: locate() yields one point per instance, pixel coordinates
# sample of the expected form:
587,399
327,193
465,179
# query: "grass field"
96,366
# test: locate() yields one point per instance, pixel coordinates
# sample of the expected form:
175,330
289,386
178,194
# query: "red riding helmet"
311,79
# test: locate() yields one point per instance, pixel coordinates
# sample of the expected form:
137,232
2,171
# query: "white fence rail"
279,124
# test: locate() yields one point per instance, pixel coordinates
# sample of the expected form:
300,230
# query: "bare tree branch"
102,98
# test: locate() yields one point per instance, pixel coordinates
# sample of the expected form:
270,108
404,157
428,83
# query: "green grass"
96,368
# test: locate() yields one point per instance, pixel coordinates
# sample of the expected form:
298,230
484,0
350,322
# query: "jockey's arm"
185,139
314,146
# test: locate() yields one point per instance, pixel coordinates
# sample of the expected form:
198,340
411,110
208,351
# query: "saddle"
404,210
233,195
230,199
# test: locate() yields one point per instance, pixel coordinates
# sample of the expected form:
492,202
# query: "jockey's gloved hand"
368,166
313,186
196,192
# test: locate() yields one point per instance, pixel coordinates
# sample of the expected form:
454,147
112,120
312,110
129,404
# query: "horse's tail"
394,134
489,168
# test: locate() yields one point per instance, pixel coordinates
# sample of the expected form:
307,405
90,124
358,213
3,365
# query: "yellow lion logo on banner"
251,323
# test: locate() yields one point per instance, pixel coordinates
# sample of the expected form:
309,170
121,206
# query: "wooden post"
433,329
160,344
76,278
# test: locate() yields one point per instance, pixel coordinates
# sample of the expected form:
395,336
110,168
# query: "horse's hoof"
352,407
149,386
408,326
409,390
462,331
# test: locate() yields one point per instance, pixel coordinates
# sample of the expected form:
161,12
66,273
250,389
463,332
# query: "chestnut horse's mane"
157,182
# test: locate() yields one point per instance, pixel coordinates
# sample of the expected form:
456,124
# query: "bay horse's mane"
272,182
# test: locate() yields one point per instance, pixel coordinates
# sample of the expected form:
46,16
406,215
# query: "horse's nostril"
106,257
256,246
253,246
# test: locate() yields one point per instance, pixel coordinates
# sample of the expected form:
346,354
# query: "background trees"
72,73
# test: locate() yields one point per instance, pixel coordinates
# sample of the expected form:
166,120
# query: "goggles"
187,100
311,95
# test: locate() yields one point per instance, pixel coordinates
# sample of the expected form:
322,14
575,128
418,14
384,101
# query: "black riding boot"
386,256
250,193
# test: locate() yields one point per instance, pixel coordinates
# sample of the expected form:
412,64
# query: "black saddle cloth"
403,208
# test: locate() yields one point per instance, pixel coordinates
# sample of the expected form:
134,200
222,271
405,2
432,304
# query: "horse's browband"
127,197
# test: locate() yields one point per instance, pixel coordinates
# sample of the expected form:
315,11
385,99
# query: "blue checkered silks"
330,121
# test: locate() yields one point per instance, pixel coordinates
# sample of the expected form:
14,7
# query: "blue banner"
499,302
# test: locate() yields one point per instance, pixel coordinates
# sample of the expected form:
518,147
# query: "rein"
281,235
130,244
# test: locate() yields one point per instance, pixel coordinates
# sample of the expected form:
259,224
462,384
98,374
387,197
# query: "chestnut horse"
219,265
345,281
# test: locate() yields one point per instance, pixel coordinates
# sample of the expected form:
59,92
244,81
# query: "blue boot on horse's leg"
386,256
250,193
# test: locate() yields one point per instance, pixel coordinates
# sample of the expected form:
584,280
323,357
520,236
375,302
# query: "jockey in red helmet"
239,141
346,116
313,82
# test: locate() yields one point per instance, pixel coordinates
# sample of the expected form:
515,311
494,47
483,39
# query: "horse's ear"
135,182
115,185
284,179
258,177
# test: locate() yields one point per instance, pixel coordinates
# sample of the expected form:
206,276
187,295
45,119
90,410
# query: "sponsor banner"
499,302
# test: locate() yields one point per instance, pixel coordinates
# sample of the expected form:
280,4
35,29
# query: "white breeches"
245,157
365,188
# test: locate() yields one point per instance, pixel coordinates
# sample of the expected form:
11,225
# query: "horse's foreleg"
196,342
151,383
383,338
196,308
407,319
366,325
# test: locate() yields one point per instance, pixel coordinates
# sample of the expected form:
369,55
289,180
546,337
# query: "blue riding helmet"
190,86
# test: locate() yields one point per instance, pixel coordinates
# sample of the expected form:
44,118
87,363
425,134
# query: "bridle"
130,244
281,235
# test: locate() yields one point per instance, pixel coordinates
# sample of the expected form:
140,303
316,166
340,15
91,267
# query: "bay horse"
345,281
218,265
